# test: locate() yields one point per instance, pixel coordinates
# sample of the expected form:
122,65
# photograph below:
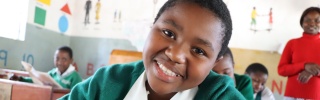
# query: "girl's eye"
307,20
168,33
199,51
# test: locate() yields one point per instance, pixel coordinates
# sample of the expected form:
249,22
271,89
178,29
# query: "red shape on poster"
66,9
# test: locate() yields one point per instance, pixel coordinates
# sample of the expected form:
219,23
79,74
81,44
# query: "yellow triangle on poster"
47,2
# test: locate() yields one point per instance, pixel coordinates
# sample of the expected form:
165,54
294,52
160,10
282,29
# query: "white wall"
136,19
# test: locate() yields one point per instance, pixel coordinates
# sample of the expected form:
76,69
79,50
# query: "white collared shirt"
138,91
266,94
66,73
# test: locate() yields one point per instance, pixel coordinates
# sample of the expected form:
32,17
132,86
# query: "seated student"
65,74
186,39
259,76
225,66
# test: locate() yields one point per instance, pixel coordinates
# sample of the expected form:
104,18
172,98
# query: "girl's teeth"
167,71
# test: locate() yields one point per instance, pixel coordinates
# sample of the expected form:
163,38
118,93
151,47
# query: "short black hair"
307,11
66,49
256,67
217,7
229,53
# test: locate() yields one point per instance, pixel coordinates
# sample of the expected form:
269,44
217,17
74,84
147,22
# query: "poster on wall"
40,16
261,21
63,22
113,18
54,15
92,7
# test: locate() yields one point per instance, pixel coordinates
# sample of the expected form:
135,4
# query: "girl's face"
259,80
311,23
181,48
224,66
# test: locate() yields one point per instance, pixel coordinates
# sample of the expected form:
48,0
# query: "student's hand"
304,76
15,78
312,68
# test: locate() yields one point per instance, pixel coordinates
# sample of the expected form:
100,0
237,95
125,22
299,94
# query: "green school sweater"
66,82
244,86
114,82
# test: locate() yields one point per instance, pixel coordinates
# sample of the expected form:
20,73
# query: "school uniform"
127,81
67,80
265,94
244,86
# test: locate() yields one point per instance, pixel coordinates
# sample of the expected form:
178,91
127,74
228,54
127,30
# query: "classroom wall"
42,39
37,49
93,53
118,19
46,26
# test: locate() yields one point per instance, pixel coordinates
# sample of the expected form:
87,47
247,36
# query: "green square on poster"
40,16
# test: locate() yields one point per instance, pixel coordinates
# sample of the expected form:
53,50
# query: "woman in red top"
300,59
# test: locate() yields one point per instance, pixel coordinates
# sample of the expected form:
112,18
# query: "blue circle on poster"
63,24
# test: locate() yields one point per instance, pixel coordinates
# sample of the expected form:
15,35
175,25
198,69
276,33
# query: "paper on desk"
38,77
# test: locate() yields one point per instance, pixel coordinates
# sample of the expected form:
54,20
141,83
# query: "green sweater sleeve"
76,78
85,90
218,87
107,83
244,86
26,79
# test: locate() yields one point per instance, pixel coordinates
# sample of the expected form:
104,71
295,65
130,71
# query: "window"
13,19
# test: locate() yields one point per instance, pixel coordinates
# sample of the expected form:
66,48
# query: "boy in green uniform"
65,74
243,83
186,39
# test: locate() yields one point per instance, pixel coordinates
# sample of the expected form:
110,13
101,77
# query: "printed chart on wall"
120,19
63,20
261,21
53,14
40,16
41,13
92,13
100,16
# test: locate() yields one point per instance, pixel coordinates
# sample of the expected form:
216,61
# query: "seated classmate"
225,66
65,74
186,39
259,76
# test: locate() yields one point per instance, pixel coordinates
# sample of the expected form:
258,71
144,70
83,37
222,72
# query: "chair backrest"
124,56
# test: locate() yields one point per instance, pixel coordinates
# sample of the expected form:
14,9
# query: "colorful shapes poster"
63,24
46,2
40,16
66,9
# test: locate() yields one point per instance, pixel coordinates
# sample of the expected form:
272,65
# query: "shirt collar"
67,72
138,91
